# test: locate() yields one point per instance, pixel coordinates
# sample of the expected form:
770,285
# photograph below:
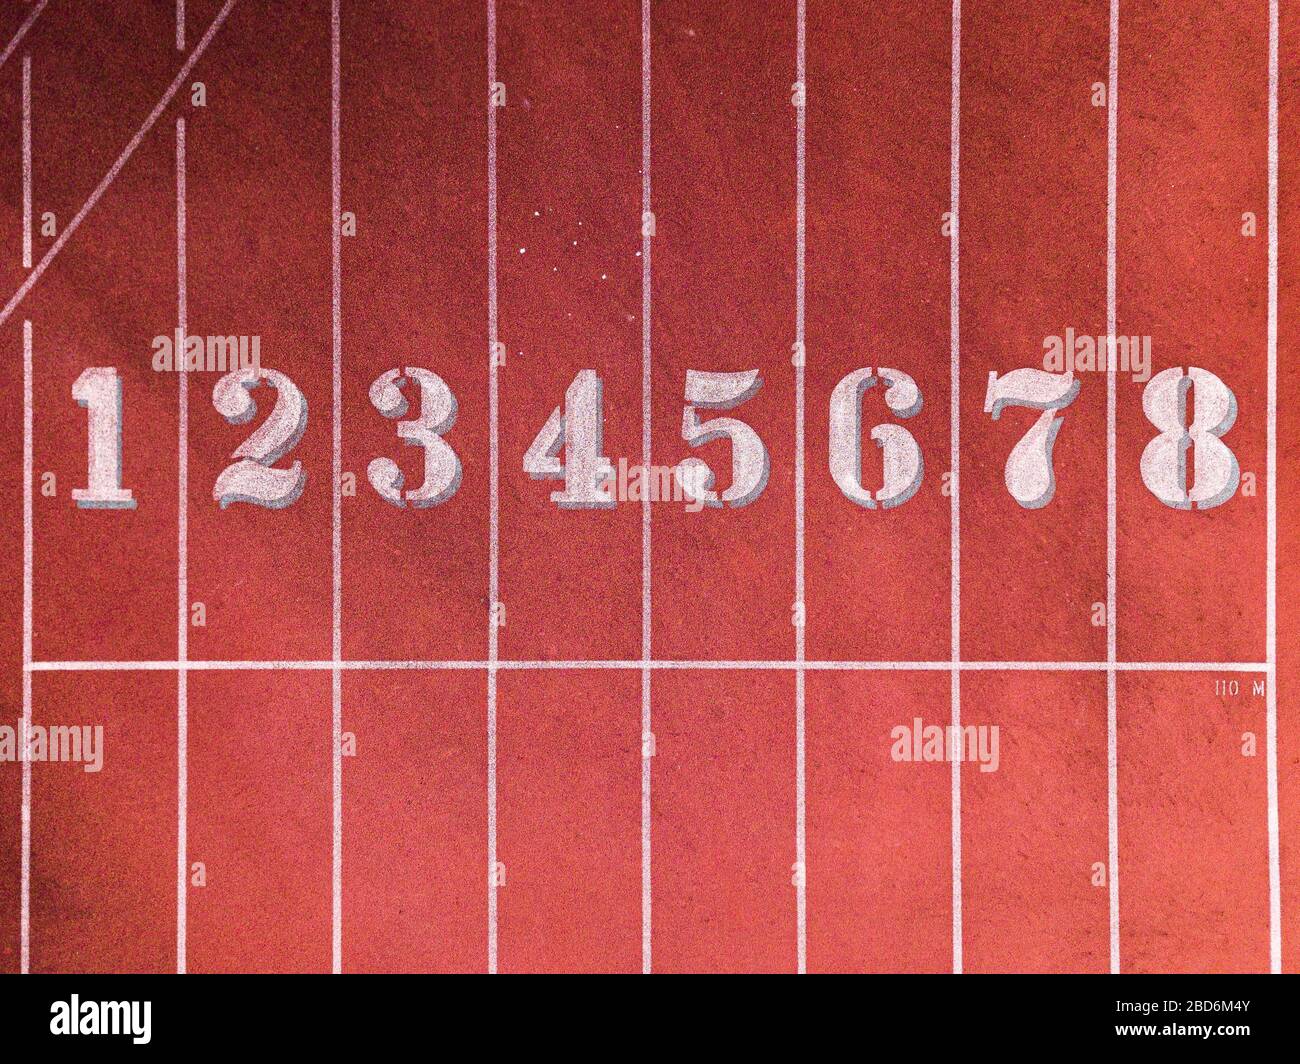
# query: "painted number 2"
252,479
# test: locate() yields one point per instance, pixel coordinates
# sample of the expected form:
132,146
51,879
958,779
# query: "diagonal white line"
116,168
17,38
27,162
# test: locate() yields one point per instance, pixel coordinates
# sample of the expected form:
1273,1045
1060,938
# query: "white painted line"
1112,728
646,721
27,162
1274,849
182,565
494,491
336,204
180,25
25,905
954,413
107,180
801,794
468,665
17,38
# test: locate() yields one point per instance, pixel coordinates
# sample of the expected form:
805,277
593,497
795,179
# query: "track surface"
259,799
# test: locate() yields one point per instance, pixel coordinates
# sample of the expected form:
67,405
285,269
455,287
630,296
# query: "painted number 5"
749,462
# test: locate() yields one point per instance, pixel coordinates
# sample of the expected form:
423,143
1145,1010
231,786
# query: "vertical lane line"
494,487
26,812
182,560
1112,713
646,733
954,413
180,25
800,678
1274,855
336,197
25,905
27,162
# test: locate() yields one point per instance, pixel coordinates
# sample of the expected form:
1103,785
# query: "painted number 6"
904,467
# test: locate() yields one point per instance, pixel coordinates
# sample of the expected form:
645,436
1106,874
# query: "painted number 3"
569,446
437,415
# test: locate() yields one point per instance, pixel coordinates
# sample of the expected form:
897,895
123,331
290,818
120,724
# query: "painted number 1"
99,390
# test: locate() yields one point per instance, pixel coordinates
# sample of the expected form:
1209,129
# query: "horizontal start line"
759,664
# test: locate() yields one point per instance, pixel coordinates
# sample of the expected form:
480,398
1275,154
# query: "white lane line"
954,413
494,491
801,795
107,180
180,25
646,733
25,905
27,162
182,563
336,197
17,38
1274,850
1112,728
469,665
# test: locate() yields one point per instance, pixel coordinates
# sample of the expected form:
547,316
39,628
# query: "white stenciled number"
1164,461
99,390
252,479
1029,474
437,415
749,462
901,453
577,432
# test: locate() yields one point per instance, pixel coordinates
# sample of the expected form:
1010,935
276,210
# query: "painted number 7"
1029,474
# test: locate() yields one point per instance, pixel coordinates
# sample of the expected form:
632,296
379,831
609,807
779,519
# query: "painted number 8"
1164,461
